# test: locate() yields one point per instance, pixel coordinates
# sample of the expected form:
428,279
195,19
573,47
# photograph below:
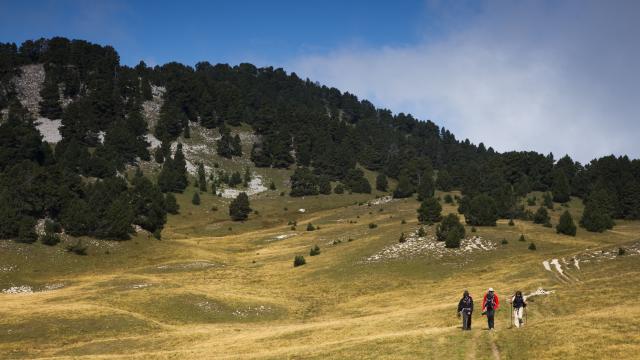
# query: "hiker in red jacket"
490,304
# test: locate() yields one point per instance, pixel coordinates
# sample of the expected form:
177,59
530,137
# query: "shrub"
171,204
450,223
51,226
566,225
504,242
314,251
50,239
429,211
195,200
402,238
522,238
239,208
272,186
339,189
547,200
214,208
547,224
310,227
324,185
157,233
372,226
541,216
532,247
481,211
421,232
448,199
78,248
473,229
299,261
531,201
511,223
381,183
621,251
453,237
403,221
26,231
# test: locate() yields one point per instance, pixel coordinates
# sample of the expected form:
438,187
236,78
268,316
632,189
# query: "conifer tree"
171,204
429,211
50,104
195,200
561,190
450,223
566,225
482,211
404,188
239,208
202,178
444,181
382,183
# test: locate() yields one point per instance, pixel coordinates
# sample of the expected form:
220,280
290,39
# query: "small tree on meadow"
541,216
171,203
430,211
239,208
566,225
450,223
195,200
381,183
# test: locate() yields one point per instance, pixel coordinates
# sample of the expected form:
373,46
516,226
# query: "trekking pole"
511,318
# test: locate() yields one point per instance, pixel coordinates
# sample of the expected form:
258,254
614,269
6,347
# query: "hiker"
465,308
518,303
490,304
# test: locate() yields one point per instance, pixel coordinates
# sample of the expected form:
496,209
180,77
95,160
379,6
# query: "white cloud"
551,77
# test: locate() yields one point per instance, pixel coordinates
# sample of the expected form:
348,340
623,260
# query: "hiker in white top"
518,303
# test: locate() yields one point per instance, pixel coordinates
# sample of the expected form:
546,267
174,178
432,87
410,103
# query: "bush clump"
566,225
532,247
373,225
50,239
299,261
78,248
541,216
310,227
451,223
314,251
402,238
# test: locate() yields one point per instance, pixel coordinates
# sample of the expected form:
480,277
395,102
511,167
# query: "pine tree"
561,190
597,212
195,200
171,204
303,183
404,188
541,216
382,183
246,177
148,203
26,230
236,179
50,104
429,211
454,236
324,185
426,188
239,209
202,178
482,211
450,223
444,181
566,225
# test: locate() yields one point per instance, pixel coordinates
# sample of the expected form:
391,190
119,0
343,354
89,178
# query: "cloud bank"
557,77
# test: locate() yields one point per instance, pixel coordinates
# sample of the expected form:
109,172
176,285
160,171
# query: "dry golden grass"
207,292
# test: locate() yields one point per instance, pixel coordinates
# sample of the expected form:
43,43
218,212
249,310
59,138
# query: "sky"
550,76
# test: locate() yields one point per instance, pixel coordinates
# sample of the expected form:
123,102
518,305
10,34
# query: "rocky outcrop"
151,108
28,86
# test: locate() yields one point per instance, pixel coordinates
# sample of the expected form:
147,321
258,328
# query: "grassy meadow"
212,288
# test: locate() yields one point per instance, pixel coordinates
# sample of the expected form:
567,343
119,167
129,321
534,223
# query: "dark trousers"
490,314
466,320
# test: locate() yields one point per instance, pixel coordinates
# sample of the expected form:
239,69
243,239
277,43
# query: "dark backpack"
491,302
518,302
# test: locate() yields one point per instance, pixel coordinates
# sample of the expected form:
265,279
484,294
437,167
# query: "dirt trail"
494,349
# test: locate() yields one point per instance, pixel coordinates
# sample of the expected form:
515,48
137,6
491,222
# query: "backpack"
518,302
491,302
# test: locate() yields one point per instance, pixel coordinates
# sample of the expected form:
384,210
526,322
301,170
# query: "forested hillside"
322,133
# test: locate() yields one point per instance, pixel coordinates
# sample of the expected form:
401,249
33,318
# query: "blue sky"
551,76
